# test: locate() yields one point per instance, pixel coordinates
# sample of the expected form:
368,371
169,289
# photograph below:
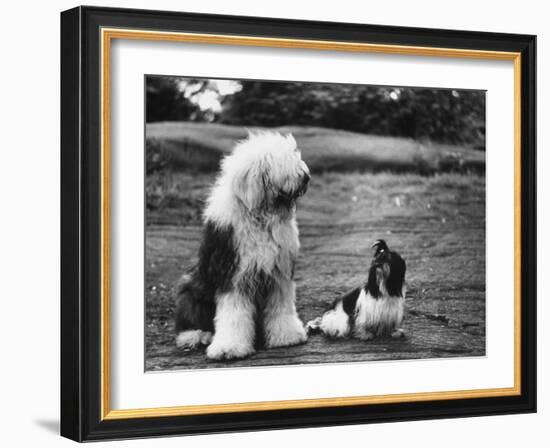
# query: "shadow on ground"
51,426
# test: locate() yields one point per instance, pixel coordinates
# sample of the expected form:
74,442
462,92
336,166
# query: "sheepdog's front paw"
399,333
285,332
219,350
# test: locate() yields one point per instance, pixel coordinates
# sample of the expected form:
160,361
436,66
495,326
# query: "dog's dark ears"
250,187
372,283
245,189
396,277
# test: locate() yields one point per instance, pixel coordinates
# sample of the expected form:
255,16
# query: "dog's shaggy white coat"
266,239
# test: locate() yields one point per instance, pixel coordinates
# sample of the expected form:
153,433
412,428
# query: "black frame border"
81,223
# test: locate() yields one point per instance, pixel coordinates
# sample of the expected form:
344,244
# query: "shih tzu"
374,309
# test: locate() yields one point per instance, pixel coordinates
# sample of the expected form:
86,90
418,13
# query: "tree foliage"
450,116
441,115
174,99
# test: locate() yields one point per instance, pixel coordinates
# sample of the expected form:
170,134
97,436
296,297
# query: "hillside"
187,146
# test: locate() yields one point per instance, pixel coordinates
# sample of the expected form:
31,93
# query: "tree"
450,116
166,100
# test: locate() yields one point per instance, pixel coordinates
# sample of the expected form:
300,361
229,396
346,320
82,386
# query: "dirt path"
436,223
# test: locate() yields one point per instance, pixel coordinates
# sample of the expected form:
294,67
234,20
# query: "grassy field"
199,147
436,222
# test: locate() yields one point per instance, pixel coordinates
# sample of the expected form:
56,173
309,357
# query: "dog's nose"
304,183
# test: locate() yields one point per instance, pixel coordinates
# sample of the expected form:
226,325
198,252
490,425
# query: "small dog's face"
386,273
271,172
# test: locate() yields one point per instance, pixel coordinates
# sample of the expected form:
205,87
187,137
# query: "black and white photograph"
273,223
308,223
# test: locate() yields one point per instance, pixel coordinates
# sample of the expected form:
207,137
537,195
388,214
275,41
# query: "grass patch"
199,147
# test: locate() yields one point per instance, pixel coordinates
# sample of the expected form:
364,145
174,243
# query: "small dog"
241,294
375,309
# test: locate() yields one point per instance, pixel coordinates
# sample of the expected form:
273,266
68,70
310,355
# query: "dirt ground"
437,223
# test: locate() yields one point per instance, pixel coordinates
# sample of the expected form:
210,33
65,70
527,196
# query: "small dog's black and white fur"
376,308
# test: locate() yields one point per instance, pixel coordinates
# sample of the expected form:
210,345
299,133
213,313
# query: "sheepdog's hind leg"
234,327
192,339
193,316
282,325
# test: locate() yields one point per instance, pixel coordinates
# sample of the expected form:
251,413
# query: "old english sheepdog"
241,294
376,308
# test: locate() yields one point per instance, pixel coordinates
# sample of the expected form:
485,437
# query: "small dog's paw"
220,350
365,336
399,333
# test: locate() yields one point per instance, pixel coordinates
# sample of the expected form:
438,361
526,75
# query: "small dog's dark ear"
372,283
396,278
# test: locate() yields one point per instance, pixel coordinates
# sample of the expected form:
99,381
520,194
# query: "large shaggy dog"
241,293
374,309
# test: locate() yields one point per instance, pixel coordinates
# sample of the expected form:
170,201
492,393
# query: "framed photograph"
277,224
